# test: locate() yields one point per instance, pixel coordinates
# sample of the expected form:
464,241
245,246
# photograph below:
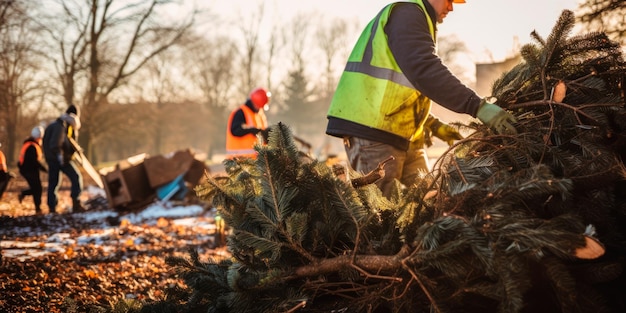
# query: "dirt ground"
91,261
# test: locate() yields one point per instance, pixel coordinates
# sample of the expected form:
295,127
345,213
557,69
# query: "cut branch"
369,263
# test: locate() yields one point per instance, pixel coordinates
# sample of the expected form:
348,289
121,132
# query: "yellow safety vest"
374,92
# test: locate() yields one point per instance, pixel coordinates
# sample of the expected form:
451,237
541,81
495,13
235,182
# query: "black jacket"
55,141
31,164
240,119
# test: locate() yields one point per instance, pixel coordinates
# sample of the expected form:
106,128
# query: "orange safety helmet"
260,98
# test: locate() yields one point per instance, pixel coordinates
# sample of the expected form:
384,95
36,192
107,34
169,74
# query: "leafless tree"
250,57
331,38
210,67
273,49
102,44
297,37
159,83
299,108
19,64
608,16
4,9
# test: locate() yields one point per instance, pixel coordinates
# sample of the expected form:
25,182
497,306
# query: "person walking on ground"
245,122
30,164
58,152
5,175
382,102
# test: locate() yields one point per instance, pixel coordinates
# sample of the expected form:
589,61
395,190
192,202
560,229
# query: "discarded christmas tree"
533,222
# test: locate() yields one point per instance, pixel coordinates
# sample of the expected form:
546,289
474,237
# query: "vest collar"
250,105
431,12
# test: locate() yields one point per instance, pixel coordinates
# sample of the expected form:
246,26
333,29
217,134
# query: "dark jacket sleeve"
413,48
53,140
236,128
43,167
31,154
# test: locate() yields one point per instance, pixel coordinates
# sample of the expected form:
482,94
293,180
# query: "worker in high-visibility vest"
245,122
381,106
30,164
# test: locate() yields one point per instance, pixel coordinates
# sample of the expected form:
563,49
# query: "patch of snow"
97,215
155,211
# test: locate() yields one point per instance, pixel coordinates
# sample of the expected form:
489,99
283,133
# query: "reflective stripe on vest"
364,66
373,85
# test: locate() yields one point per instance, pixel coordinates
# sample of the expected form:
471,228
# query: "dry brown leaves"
128,263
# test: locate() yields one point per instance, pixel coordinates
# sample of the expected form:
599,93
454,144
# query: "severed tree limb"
366,264
373,176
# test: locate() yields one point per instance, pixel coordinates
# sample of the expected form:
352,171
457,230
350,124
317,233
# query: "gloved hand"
60,158
446,133
265,133
496,118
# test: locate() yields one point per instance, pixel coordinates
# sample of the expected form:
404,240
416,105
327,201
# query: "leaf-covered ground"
96,260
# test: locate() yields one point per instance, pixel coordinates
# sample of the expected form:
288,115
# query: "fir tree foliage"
532,194
503,223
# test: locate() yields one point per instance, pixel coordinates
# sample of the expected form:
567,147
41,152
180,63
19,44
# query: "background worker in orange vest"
5,175
30,164
245,122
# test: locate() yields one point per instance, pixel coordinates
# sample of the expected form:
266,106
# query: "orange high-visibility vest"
244,146
3,162
26,146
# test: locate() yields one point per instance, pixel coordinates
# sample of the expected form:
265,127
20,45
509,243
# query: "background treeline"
147,82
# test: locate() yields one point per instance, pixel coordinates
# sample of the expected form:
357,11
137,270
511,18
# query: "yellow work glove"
445,132
496,118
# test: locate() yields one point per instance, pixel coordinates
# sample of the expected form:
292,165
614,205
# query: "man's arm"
413,48
239,127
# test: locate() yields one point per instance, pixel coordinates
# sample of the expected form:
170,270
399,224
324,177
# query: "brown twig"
373,176
577,110
433,303
296,307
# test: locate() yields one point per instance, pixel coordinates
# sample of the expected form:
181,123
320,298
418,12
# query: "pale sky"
488,27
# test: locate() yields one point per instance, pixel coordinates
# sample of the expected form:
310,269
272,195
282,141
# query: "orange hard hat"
260,98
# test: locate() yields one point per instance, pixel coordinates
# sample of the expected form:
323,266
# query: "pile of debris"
140,180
